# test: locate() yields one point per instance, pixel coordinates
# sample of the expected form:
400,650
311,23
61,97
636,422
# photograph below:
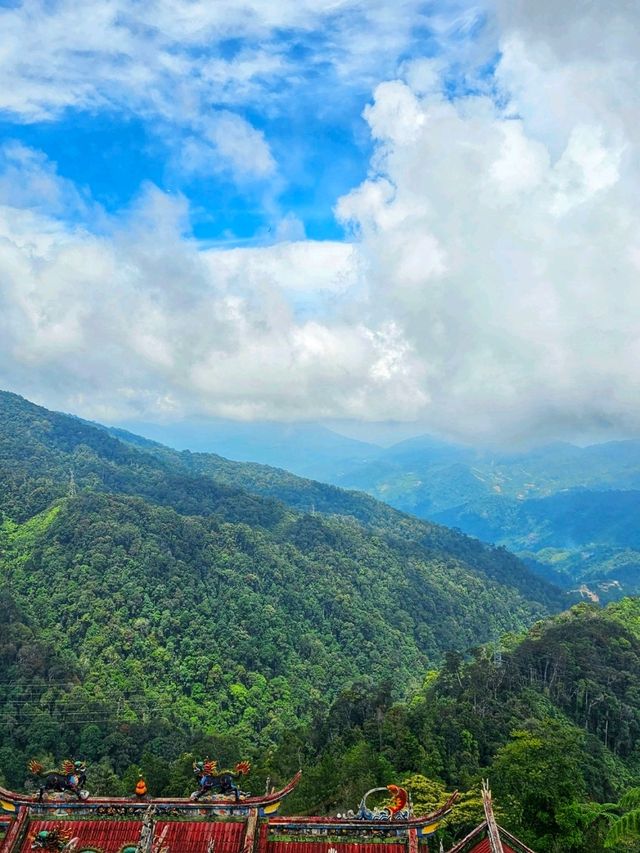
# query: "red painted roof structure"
321,846
111,836
103,825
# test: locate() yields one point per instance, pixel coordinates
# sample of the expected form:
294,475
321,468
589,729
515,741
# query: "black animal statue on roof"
71,778
210,782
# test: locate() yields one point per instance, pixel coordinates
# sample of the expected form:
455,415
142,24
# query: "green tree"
534,776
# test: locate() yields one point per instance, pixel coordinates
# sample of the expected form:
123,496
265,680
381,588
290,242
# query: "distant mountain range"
309,450
571,512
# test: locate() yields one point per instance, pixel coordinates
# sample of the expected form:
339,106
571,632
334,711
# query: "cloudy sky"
324,210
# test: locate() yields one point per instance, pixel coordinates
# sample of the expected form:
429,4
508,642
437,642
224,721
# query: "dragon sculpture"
53,841
224,782
71,778
400,808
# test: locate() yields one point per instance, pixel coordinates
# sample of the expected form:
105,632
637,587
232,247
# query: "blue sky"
109,156
333,211
305,99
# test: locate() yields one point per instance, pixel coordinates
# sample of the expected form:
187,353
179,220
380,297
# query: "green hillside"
161,605
570,512
150,597
554,723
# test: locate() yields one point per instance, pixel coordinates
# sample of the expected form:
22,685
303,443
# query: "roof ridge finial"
492,827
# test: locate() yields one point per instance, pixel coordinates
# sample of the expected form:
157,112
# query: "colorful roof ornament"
141,787
70,779
223,783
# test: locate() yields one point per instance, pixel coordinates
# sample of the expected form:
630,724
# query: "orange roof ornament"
141,787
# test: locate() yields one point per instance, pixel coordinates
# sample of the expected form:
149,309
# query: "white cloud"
171,55
239,144
142,322
224,141
29,181
503,237
491,287
303,267
194,70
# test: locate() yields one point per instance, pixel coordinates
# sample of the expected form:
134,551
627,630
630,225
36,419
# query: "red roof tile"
110,836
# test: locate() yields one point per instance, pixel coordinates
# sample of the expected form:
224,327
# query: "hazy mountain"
484,493
309,450
588,538
426,476
572,513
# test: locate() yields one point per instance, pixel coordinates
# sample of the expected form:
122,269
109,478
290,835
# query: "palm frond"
626,828
630,799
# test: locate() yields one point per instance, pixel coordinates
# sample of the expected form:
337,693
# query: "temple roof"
103,825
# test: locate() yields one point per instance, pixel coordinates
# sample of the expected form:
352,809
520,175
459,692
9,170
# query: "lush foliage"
176,602
554,724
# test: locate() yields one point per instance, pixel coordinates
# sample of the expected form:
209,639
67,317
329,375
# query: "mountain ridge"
262,488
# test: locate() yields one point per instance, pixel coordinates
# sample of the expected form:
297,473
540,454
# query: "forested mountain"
571,513
157,592
420,475
40,451
160,605
554,722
